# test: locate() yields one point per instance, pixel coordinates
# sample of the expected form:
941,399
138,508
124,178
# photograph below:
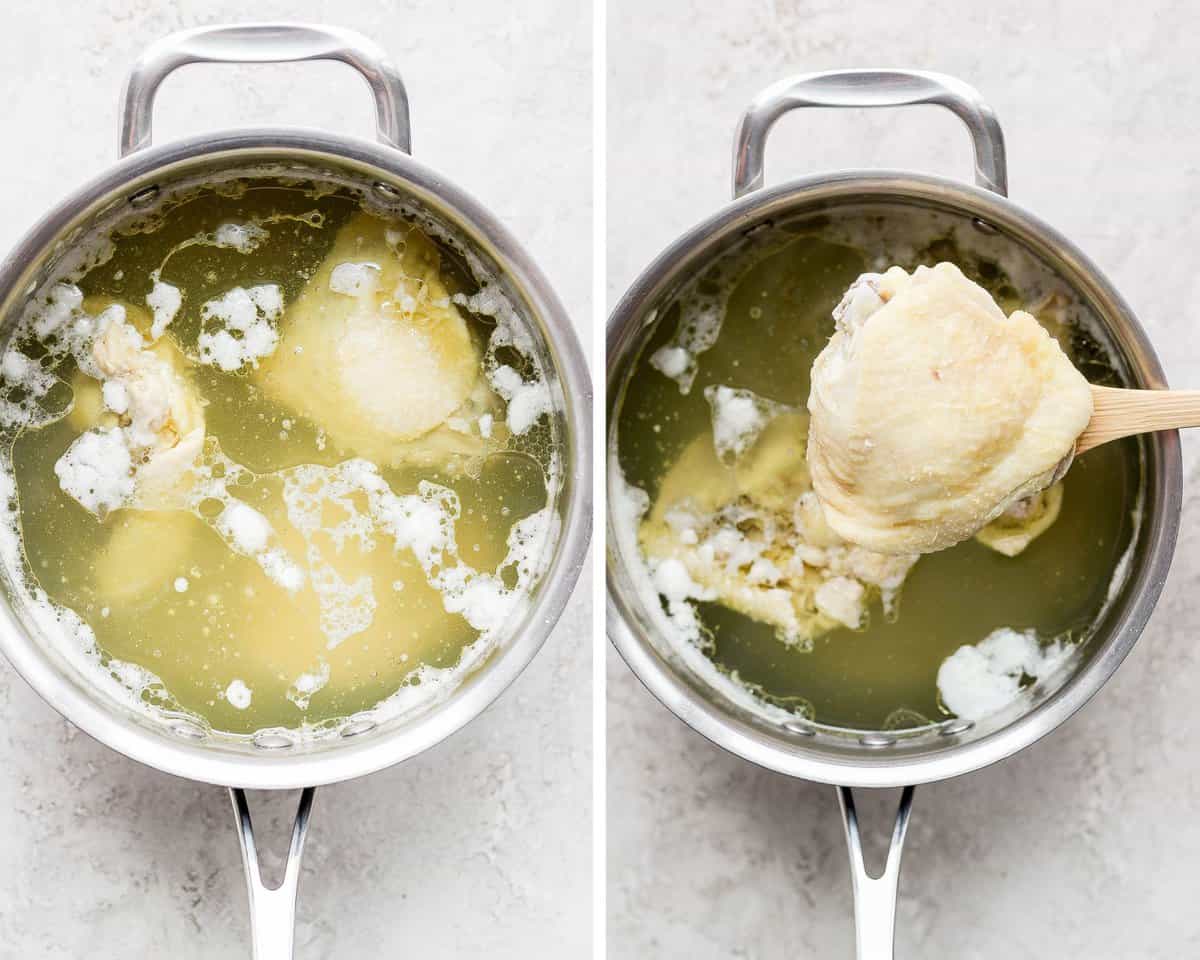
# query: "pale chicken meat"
933,413
142,421
375,352
752,536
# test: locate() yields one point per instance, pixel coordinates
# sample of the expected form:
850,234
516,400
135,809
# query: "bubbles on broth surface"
737,628
336,545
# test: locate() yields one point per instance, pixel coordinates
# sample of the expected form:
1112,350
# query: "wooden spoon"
1121,413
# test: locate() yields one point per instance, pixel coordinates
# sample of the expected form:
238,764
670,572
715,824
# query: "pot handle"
263,43
874,897
272,909
869,88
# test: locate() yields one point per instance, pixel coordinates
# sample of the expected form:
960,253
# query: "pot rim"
875,768
323,763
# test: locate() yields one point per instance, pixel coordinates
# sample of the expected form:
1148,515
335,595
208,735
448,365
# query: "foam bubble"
97,470
677,621
738,417
242,237
115,395
244,527
302,689
281,568
423,523
238,694
978,680
700,319
527,400
354,279
164,300
248,327
63,302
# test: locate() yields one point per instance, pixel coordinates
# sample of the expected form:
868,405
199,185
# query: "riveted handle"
272,909
263,43
874,897
869,88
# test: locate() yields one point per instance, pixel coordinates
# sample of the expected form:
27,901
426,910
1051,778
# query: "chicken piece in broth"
375,352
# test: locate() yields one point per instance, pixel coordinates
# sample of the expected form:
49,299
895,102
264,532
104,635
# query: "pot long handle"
263,43
272,909
874,897
869,88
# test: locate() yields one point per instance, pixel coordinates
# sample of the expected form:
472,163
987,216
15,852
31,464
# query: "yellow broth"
777,317
161,589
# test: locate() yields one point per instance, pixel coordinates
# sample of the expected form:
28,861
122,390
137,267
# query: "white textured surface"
479,848
1086,844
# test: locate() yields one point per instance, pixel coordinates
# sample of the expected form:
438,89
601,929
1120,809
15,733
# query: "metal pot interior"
884,210
386,181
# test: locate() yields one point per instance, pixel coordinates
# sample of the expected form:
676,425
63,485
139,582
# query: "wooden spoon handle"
1121,413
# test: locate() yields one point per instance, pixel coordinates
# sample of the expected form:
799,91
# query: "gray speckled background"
479,848
1085,844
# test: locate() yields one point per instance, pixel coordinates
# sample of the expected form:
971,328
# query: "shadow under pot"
733,313
538,414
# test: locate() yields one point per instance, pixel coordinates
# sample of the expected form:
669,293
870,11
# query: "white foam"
304,686
309,493
164,300
10,543
181,584
842,599
976,681
354,279
97,470
738,417
528,551
20,370
423,523
347,607
671,361
238,694
676,587
700,318
66,330
24,383
244,527
15,365
681,625
242,237
115,395
510,330
75,641
281,568
63,303
248,330
527,400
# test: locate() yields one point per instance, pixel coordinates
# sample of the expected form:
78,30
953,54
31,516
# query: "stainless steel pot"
387,169
871,758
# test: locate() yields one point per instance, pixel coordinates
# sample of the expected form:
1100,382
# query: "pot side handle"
869,88
272,909
874,897
263,43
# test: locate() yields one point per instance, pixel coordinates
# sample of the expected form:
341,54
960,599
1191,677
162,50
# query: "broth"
773,304
386,538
